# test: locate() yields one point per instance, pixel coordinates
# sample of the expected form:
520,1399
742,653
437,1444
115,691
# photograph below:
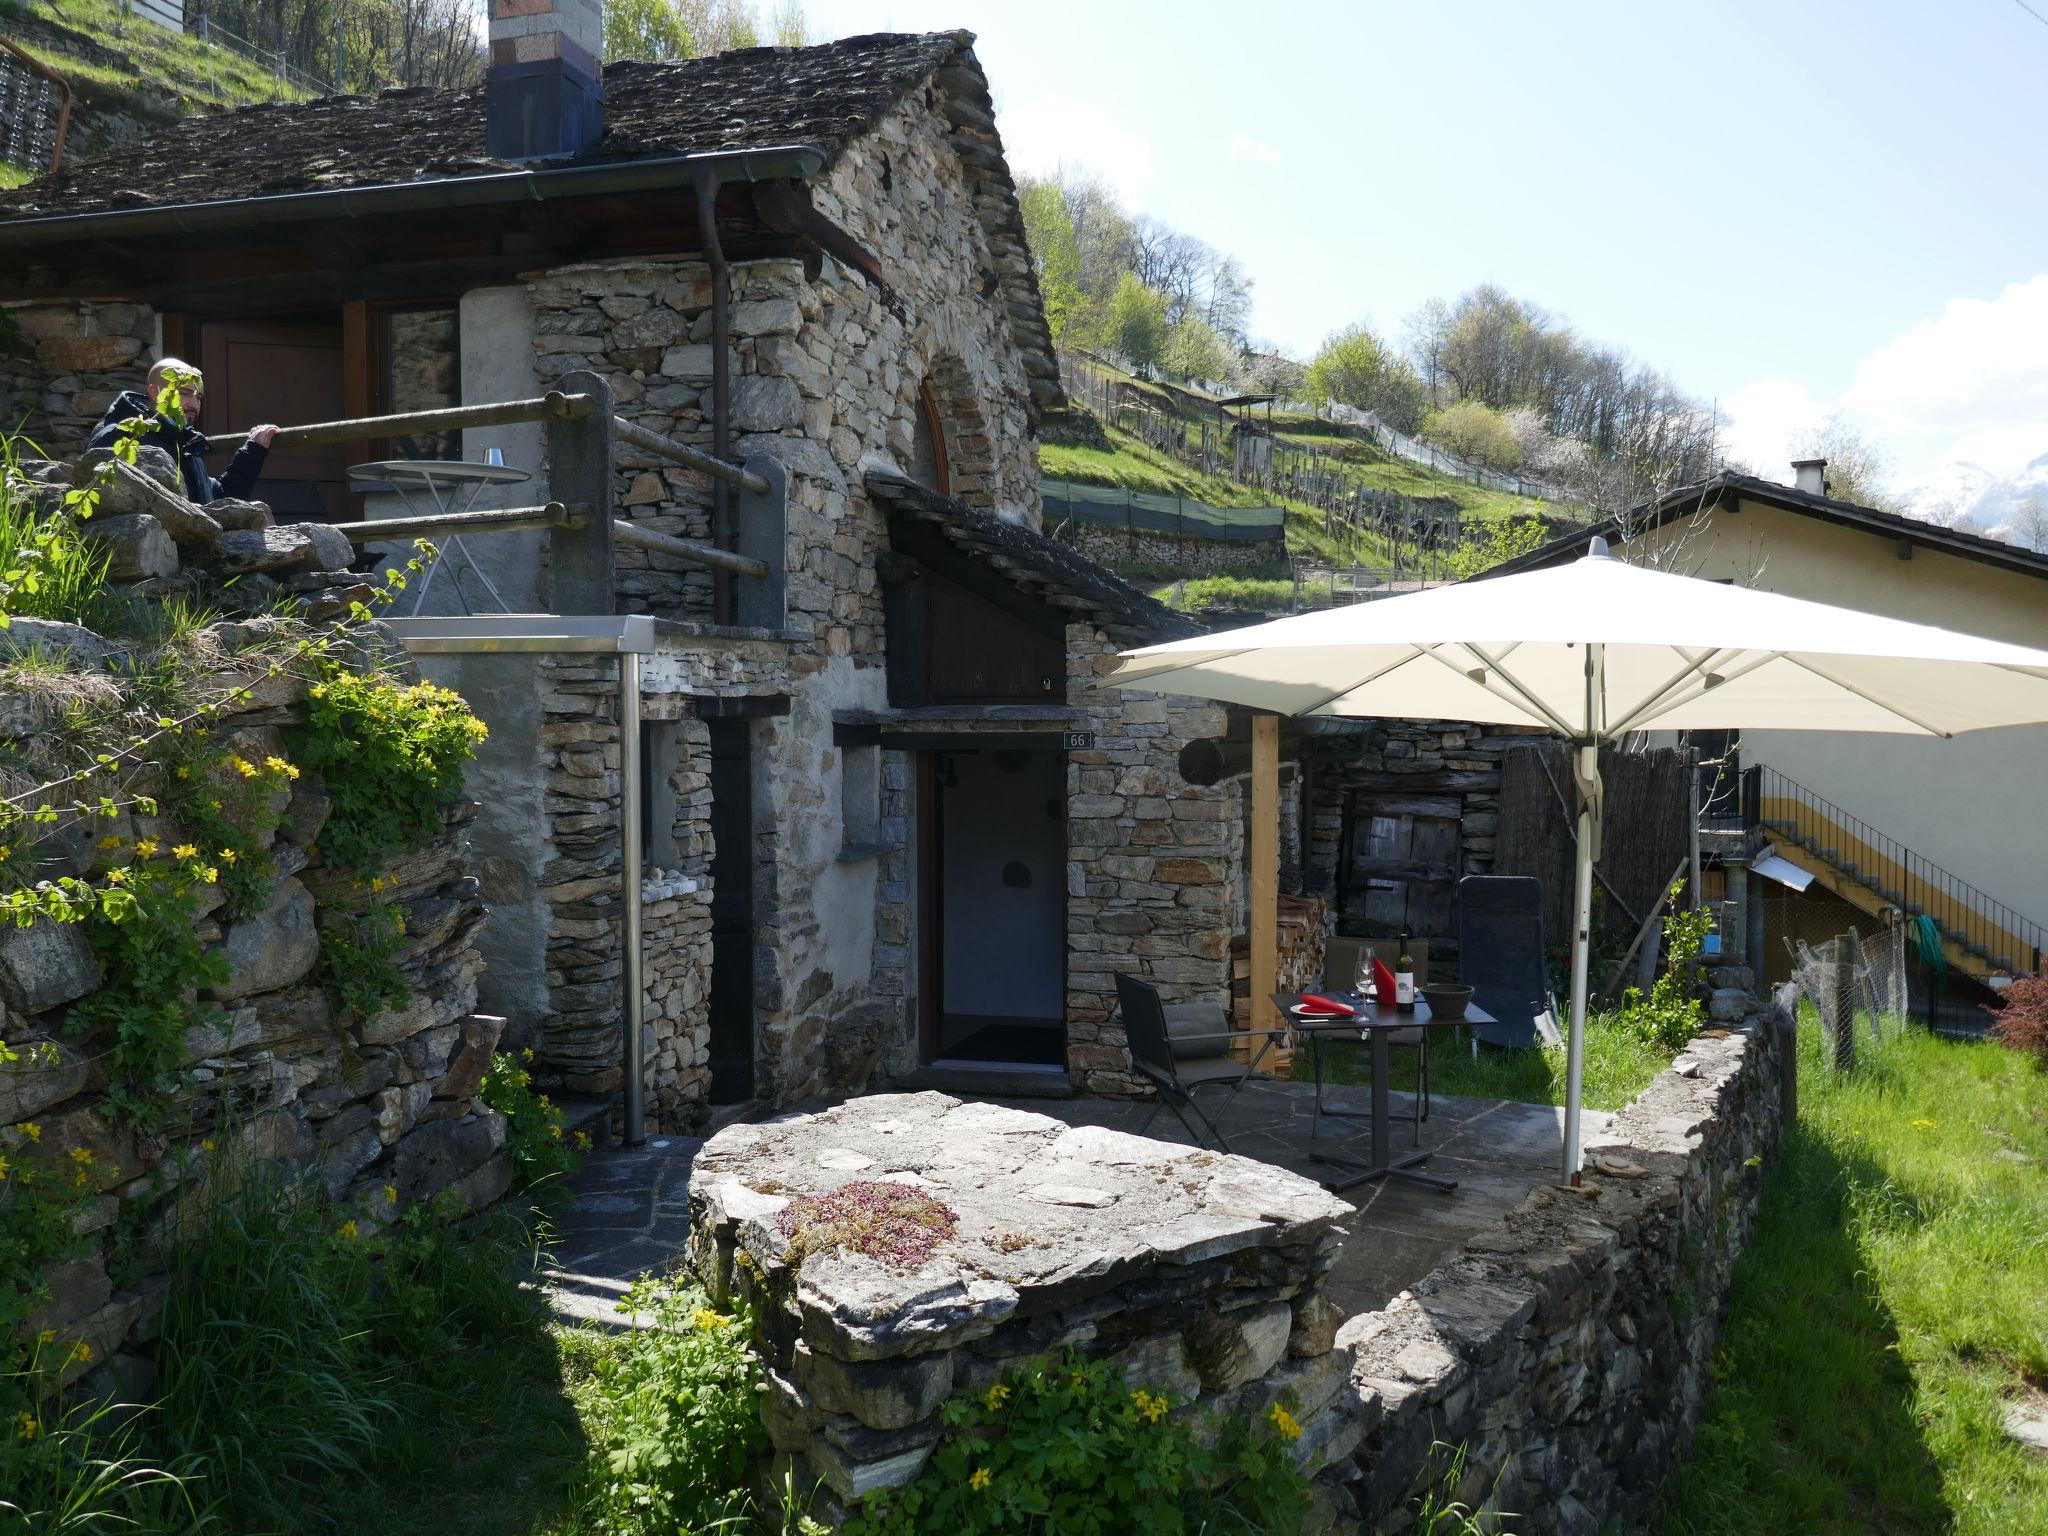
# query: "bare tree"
2028,526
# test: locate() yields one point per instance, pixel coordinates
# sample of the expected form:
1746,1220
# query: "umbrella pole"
1582,941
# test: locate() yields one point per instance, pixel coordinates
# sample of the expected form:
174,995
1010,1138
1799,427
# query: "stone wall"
1568,1350
1199,1274
62,363
382,1109
1150,862
1191,556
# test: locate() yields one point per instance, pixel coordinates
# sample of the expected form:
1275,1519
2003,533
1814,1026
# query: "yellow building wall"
1976,804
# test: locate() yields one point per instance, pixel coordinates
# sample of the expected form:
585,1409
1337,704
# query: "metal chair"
1178,1063
1500,956
1340,973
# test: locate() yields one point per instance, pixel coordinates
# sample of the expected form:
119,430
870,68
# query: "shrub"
1476,432
534,1134
1068,1447
392,757
2020,1020
674,1421
1670,1015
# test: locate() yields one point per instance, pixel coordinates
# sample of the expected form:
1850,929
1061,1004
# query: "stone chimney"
545,91
1810,475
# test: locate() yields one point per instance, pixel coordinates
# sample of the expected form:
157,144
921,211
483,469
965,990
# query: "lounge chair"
1500,956
1195,1053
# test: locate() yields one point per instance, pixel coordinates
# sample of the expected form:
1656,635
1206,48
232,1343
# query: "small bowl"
1446,999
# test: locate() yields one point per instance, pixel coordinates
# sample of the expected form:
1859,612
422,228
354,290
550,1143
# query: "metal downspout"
634,981
721,381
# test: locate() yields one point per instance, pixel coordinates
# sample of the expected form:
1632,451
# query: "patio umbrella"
1597,648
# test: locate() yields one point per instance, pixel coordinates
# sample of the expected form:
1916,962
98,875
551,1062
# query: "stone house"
894,832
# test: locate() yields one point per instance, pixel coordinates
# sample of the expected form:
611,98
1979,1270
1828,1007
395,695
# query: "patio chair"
1194,1053
1340,972
1500,956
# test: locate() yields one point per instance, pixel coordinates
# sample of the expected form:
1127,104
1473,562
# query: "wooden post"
1265,868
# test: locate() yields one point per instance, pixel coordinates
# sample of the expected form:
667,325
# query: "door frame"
930,865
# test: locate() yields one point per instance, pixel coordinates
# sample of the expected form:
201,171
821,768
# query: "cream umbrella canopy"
1597,648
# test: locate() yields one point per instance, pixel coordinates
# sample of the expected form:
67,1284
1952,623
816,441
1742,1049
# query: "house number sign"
1077,741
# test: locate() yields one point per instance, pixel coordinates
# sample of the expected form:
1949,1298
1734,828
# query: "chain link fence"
1860,989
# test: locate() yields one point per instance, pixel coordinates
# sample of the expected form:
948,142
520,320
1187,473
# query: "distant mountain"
1968,496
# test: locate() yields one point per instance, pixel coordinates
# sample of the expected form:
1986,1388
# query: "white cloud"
1974,377
1042,136
1244,147
1761,421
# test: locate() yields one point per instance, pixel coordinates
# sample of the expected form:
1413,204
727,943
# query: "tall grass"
1892,1305
1618,1066
50,570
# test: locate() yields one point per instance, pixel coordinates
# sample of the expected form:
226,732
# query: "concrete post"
1839,1035
1735,912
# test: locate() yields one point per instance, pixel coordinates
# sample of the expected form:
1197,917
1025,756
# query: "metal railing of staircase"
1973,919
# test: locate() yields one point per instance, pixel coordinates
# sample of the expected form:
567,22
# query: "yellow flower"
25,1425
3,1170
527,1054
81,1155
184,851
376,882
583,1141
980,1481
318,690
227,855
1285,1422
1152,1406
992,1399
555,1131
146,848
117,877
708,1320
1926,1125
206,1146
184,772
47,1336
210,874
110,841
244,767
349,1229
81,1353
31,1130
391,1194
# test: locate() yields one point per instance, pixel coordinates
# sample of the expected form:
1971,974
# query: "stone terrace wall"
1200,1274
1567,1350
61,364
385,1102
1150,862
1118,547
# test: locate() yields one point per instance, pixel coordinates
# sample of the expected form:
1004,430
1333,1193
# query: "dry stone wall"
1182,553
62,363
1568,1349
1200,1274
1150,862
381,1108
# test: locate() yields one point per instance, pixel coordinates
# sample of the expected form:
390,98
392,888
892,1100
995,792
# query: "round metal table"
444,480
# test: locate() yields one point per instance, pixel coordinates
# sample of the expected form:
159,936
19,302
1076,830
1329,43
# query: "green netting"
1148,510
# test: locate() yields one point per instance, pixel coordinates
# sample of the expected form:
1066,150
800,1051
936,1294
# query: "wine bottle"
1404,978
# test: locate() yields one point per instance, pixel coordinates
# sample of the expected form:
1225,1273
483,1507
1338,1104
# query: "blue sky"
1790,207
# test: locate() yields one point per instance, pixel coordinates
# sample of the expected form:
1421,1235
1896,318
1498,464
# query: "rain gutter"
776,163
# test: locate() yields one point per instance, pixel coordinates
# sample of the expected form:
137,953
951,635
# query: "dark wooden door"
288,372
1401,870
732,910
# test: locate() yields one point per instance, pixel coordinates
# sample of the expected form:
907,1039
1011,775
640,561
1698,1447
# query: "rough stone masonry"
1199,1273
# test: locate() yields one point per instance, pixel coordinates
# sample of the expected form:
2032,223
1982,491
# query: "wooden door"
288,372
1401,868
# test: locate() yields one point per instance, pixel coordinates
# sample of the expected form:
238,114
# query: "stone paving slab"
630,1216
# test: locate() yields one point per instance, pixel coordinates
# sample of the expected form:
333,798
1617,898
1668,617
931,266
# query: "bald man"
183,441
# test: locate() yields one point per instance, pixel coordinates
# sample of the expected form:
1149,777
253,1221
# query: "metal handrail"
1966,914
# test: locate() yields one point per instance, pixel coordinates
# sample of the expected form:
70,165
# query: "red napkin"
1382,982
1312,1003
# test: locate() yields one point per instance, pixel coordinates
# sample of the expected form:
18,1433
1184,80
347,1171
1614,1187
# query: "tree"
1056,254
1355,368
2028,526
1137,323
646,29
1196,354
1859,468
1476,432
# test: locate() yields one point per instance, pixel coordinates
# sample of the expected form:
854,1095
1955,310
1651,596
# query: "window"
860,796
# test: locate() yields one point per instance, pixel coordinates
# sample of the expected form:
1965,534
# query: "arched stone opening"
949,444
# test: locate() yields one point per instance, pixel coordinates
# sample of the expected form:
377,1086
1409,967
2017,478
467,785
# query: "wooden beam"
1265,868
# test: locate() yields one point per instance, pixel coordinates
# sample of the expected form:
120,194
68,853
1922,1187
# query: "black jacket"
187,447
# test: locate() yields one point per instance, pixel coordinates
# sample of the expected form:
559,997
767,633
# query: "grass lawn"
1893,1301
1618,1067
200,74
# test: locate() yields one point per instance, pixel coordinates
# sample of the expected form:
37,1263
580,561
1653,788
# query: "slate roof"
751,98
1729,486
1034,562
